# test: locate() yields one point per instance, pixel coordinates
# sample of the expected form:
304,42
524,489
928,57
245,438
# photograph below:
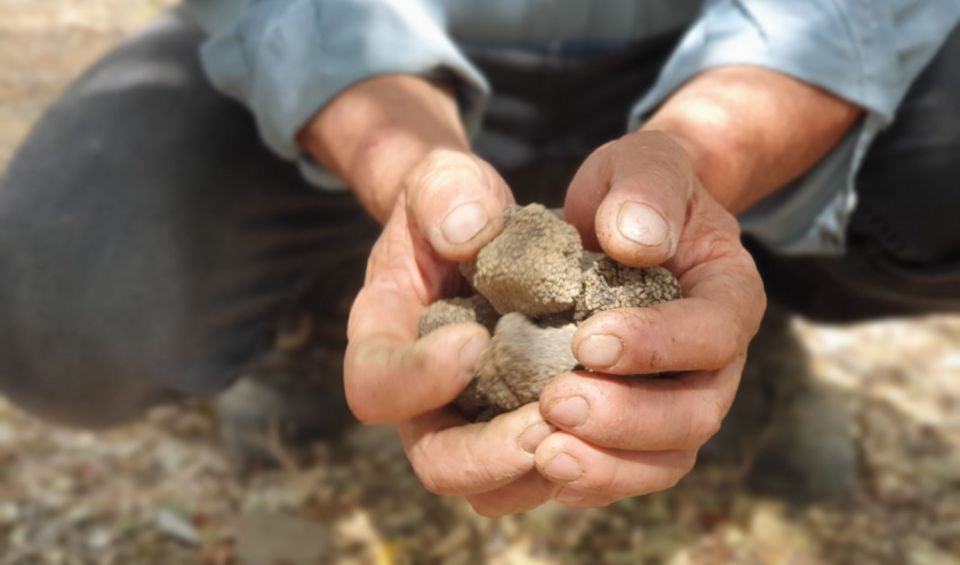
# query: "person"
153,231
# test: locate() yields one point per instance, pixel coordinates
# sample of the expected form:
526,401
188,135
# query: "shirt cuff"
858,50
287,59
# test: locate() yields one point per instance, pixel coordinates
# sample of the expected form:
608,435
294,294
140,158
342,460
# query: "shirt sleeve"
285,59
864,51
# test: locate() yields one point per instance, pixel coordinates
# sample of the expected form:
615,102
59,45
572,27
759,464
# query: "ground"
163,491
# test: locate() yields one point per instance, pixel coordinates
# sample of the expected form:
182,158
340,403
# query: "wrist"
712,152
375,132
750,131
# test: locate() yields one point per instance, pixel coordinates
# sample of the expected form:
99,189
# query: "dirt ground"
164,491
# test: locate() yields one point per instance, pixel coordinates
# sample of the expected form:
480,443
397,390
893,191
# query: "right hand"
398,141
449,206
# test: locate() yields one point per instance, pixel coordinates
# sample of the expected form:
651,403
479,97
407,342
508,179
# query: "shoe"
808,454
293,395
789,436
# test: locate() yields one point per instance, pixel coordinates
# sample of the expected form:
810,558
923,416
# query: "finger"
451,457
641,413
389,375
526,493
718,269
690,334
569,461
633,195
391,381
721,312
457,201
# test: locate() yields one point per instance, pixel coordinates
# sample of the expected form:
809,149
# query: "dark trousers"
149,242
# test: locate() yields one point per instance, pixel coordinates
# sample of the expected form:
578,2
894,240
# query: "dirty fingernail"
642,224
600,351
470,352
563,468
534,435
569,412
464,223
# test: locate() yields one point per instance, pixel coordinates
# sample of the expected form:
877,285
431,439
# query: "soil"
164,491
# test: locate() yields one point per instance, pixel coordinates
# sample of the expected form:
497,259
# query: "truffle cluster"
534,284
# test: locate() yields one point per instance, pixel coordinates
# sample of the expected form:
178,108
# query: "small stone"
172,523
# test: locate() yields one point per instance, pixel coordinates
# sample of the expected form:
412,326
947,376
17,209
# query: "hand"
398,141
449,206
638,199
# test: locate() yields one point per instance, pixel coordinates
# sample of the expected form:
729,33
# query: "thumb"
630,198
457,202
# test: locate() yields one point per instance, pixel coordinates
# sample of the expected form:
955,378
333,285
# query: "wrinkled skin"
630,437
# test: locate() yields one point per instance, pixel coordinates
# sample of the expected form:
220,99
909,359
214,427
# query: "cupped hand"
450,205
618,435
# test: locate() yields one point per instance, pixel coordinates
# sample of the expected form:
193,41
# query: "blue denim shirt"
285,59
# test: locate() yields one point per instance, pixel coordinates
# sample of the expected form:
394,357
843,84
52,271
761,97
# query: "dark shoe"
293,395
808,454
792,440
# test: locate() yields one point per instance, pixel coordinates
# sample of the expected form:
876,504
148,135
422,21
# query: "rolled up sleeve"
864,51
286,59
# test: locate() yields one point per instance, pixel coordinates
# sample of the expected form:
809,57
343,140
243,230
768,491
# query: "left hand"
619,436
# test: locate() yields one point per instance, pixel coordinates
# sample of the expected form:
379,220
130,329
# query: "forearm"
372,134
750,131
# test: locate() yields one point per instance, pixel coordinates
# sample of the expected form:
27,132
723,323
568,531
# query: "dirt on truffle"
608,285
163,490
536,265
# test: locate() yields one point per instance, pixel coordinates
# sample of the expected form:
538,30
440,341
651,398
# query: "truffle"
522,357
533,266
458,310
608,285
537,275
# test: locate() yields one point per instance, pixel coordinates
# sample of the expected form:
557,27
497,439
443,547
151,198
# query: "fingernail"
531,437
600,350
470,352
569,412
563,468
642,224
464,223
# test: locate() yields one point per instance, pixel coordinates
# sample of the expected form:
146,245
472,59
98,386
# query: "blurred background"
165,491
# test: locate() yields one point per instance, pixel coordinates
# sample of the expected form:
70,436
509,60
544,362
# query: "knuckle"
655,360
440,170
485,507
412,361
728,348
360,404
673,476
673,479
640,324
603,480
707,423
432,485
426,471
647,343
607,150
